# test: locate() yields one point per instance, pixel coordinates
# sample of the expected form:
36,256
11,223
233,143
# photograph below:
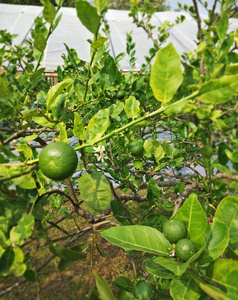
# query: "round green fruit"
174,230
185,249
120,95
136,148
58,161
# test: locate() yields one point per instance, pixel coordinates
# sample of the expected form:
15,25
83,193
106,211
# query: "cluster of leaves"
188,102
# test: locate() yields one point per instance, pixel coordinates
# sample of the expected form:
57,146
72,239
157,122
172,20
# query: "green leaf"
222,157
95,191
143,290
166,74
207,151
27,151
132,107
172,265
184,288
116,109
108,73
222,26
124,283
218,91
6,261
159,153
100,5
66,253
23,230
213,292
153,191
40,42
56,90
49,11
79,130
194,217
216,242
43,122
225,272
71,56
140,238
98,125
99,42
227,212
63,137
87,14
104,289
158,270
30,275
124,295
118,211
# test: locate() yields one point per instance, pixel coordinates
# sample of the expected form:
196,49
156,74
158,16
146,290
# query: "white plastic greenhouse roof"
19,19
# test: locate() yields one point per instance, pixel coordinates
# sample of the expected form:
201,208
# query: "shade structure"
19,19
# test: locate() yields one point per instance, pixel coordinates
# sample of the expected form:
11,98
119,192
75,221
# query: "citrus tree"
165,137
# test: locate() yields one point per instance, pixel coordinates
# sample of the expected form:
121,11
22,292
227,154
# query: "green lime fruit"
136,148
174,230
58,161
185,249
120,95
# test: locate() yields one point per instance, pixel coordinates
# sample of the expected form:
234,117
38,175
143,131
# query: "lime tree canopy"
19,19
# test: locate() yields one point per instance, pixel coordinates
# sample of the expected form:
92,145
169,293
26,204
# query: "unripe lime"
185,249
58,161
174,230
136,148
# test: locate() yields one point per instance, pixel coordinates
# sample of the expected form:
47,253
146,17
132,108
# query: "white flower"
102,153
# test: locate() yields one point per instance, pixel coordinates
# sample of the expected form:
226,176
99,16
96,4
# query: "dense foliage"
183,110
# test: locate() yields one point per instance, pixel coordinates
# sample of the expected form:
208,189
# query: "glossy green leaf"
172,264
124,283
158,270
88,15
100,5
40,42
227,212
56,90
159,153
25,149
222,157
184,288
98,125
212,291
124,295
207,151
23,230
118,211
225,272
216,241
71,57
140,238
108,73
79,130
143,290
95,191
104,289
99,42
49,11
219,91
194,217
132,107
30,275
153,191
166,74
66,253
25,182
6,261
222,26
